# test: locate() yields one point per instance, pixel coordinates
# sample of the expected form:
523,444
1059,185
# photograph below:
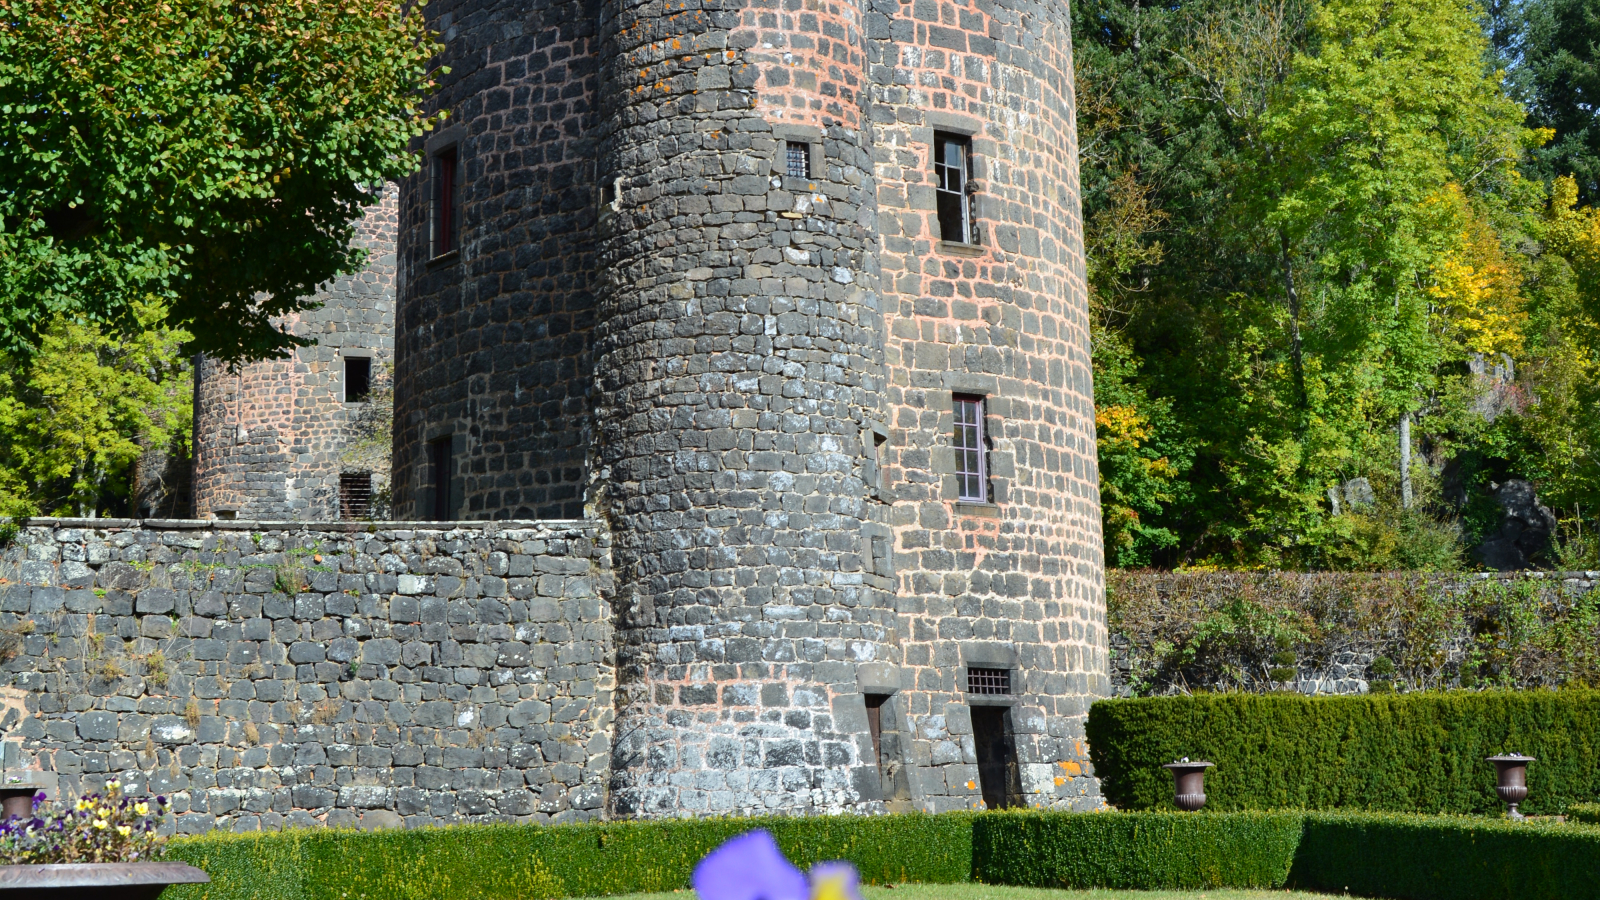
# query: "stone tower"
271,438
789,296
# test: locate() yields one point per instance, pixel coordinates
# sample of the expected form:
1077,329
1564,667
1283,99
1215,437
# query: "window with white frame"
952,159
972,457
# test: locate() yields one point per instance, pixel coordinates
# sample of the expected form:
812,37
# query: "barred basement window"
355,495
797,159
972,463
988,681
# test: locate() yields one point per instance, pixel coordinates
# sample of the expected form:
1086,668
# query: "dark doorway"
439,451
997,757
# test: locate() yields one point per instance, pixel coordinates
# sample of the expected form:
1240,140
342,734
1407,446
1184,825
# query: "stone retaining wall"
268,674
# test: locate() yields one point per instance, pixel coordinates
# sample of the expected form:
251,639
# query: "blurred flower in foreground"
751,867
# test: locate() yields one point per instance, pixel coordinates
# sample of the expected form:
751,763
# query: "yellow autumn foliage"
1570,231
1476,285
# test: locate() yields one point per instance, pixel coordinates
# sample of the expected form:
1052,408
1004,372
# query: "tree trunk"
1405,460
1297,357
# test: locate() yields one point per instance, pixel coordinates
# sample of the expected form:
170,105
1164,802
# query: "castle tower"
790,296
272,439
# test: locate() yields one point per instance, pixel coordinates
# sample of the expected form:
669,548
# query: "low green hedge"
1376,855
1403,753
1585,813
1144,851
1447,858
523,862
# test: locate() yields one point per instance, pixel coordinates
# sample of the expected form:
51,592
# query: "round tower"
998,546
272,439
740,374
791,297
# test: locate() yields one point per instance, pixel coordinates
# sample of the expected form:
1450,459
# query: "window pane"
969,451
950,177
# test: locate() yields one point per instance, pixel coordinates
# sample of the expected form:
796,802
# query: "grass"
1000,892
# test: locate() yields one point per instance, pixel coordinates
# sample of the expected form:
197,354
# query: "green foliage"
211,154
1227,630
1144,852
1439,858
1557,76
518,862
1584,813
1405,753
78,413
1303,222
1399,856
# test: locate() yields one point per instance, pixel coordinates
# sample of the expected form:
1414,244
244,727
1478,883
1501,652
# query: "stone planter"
95,881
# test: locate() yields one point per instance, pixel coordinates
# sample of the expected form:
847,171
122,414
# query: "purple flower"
751,867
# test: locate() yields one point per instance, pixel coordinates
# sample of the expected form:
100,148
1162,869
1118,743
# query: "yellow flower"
101,823
124,830
141,808
113,785
83,805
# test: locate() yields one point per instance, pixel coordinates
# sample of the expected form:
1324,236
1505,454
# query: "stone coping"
336,525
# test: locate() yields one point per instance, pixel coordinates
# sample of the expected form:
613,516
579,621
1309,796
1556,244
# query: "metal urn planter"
1188,783
1511,773
96,881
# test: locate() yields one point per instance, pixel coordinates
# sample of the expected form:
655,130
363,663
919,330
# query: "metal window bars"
797,159
988,681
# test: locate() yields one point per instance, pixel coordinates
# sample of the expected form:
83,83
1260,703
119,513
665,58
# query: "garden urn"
95,881
17,790
1188,783
1511,771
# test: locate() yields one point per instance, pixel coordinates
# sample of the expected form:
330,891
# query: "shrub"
1144,851
522,862
1444,858
1584,813
1172,632
1404,753
1377,855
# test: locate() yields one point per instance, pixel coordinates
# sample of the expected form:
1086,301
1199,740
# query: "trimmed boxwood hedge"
1446,858
1375,855
1404,753
524,862
1144,851
1586,813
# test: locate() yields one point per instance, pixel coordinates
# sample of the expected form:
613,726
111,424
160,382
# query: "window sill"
444,259
956,248
980,510
991,699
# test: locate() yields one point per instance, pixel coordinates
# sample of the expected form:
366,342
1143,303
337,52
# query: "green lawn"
995,892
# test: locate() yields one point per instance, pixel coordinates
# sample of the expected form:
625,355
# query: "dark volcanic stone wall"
269,438
746,376
739,356
267,676
494,339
